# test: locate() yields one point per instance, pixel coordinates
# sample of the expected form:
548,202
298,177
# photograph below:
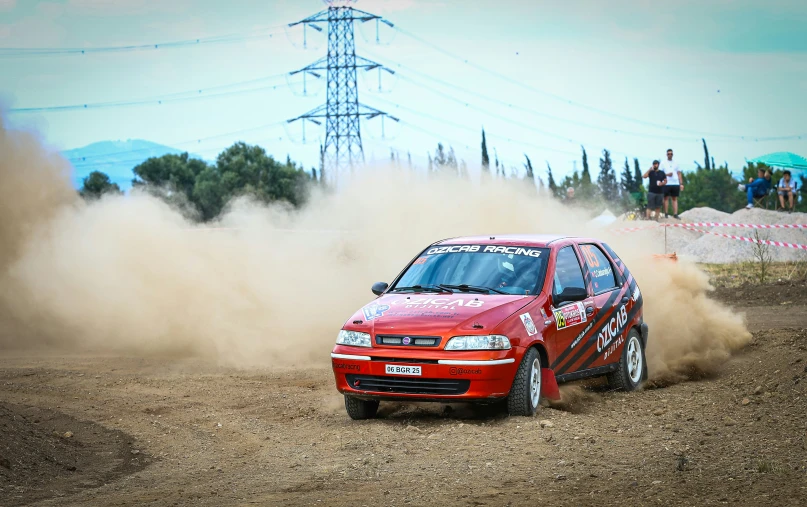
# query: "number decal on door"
588,253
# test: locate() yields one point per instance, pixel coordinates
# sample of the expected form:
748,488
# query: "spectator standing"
674,184
570,194
655,190
758,187
787,188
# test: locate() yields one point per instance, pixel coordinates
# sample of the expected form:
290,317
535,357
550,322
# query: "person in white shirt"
787,188
675,183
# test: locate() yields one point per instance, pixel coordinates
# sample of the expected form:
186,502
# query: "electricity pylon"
342,110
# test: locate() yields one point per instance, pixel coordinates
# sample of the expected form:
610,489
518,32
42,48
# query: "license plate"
397,369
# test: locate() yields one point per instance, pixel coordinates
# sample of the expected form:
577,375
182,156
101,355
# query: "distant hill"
115,158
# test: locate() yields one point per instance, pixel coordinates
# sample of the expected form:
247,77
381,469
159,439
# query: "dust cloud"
268,286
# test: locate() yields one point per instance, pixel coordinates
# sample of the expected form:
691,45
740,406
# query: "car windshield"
477,268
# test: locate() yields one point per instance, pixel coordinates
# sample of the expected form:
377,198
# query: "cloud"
40,29
385,6
126,7
7,5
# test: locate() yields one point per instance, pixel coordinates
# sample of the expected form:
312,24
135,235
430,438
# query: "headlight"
491,342
355,338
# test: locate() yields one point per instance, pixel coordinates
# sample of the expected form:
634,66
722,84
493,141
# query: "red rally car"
486,319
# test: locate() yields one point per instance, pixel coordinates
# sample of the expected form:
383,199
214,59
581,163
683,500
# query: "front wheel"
632,369
358,408
525,395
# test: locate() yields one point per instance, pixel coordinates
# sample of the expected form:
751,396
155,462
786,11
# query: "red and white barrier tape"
634,229
746,226
714,224
751,240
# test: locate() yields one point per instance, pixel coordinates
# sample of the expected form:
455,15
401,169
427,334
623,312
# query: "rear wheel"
358,408
525,395
632,369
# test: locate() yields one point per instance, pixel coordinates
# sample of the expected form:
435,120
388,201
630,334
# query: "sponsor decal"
453,249
438,303
570,315
614,346
430,314
529,325
581,335
612,329
374,311
347,366
599,273
636,294
458,370
543,313
510,250
420,260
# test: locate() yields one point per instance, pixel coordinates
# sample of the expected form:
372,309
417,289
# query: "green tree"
572,180
528,168
239,170
550,182
706,160
586,190
714,188
485,156
170,173
96,184
637,176
627,183
444,161
606,181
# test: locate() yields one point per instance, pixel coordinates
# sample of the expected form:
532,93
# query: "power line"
472,129
506,119
581,105
521,108
161,99
220,39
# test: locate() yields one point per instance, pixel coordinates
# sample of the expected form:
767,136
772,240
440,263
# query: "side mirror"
570,294
379,288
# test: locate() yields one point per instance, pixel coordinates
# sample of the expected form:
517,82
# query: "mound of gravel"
708,248
719,250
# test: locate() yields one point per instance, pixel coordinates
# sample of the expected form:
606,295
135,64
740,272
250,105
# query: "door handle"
625,300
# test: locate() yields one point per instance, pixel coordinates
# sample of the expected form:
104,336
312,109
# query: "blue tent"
783,159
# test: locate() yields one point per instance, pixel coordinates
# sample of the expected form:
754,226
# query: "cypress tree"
606,181
706,158
550,178
485,156
627,180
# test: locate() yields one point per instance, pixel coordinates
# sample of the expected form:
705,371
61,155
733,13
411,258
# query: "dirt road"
131,431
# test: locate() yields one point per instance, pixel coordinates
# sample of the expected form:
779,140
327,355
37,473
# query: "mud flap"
549,385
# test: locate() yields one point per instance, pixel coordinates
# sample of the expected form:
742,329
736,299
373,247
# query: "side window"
602,273
567,271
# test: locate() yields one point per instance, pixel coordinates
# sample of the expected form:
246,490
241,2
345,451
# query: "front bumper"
467,376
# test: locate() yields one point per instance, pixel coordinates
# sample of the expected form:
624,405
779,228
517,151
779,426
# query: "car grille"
414,341
408,385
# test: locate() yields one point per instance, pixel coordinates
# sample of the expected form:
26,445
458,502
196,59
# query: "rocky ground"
129,431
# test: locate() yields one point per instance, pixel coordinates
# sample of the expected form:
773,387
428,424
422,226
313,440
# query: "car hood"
436,314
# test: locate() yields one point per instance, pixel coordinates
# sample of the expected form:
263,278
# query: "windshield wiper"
473,288
423,288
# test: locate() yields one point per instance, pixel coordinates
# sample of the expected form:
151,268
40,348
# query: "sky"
542,77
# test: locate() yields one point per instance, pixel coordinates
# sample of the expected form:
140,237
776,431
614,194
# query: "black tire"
358,408
520,400
625,378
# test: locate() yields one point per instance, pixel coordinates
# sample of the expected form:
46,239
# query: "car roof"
533,240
